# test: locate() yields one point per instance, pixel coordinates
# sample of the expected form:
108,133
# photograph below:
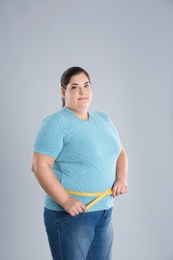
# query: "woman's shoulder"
99,114
54,120
102,117
56,116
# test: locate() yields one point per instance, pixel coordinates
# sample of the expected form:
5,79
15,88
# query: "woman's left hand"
120,187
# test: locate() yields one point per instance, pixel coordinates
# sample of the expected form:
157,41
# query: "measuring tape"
99,195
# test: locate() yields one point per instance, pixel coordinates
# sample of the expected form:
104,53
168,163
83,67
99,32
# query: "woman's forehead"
79,79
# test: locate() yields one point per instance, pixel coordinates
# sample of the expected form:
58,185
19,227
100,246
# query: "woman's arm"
42,168
120,185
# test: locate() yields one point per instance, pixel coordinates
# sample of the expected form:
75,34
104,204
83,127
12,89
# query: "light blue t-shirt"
85,153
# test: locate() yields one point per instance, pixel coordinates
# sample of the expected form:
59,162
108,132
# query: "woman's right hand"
73,206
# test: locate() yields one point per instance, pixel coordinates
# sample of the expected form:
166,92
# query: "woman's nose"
81,91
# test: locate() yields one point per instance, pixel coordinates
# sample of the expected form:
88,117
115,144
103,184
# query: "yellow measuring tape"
99,195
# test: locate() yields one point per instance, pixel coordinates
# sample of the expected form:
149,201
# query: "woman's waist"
91,183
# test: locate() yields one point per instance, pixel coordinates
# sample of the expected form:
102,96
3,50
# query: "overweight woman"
79,161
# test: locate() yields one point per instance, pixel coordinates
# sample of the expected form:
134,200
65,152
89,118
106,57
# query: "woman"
77,155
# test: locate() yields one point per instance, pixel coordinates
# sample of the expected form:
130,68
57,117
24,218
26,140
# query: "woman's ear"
63,92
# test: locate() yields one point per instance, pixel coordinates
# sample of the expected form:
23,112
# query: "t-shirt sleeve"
112,127
49,138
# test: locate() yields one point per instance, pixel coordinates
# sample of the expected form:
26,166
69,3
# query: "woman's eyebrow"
76,84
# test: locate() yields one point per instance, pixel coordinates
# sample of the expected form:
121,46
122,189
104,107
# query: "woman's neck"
81,114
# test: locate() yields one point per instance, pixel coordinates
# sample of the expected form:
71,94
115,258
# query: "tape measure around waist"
99,195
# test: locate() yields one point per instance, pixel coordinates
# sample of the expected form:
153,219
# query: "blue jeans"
87,236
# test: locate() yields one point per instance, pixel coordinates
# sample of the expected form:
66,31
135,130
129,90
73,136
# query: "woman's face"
78,94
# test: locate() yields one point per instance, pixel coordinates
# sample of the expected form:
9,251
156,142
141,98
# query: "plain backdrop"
127,48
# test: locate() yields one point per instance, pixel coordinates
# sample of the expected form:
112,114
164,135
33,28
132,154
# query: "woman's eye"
74,87
87,85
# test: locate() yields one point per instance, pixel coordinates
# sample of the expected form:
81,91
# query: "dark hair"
68,74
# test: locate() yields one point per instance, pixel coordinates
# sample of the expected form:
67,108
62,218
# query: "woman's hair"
68,74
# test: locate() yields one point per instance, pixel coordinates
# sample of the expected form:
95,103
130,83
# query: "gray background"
126,46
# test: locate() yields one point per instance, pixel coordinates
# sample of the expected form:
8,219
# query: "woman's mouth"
82,98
